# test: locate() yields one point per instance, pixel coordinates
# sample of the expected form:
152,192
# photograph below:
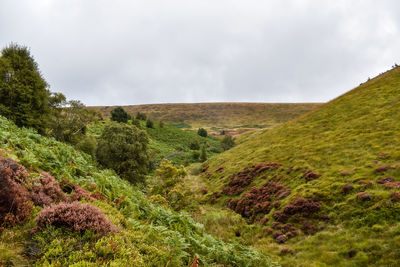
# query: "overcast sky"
118,52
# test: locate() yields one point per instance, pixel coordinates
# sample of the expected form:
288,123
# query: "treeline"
26,99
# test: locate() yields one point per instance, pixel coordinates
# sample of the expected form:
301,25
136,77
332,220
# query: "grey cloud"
155,51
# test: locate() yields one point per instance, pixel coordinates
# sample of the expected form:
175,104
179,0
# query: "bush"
161,123
149,123
124,148
203,154
118,114
202,132
227,142
88,145
76,216
15,204
141,116
194,145
195,155
46,191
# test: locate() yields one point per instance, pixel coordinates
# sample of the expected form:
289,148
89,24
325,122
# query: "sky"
119,52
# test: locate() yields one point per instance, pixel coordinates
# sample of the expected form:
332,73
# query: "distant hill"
326,186
219,115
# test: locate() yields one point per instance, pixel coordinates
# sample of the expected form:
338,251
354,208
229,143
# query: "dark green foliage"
149,123
141,116
88,145
161,124
202,132
227,142
24,97
196,155
203,154
69,119
118,114
124,148
194,145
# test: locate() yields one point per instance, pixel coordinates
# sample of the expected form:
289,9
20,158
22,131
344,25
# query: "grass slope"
148,235
169,141
347,141
220,115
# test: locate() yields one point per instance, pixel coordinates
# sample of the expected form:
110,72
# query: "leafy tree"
171,187
118,114
203,154
141,116
227,142
69,119
24,94
124,148
149,123
202,132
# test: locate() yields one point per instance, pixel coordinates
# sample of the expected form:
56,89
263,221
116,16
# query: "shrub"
76,216
203,154
118,114
88,145
149,123
141,116
15,204
227,142
124,148
202,132
161,124
239,182
195,155
194,145
80,193
46,191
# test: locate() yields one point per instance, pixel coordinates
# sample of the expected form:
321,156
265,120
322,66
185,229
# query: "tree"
24,94
124,148
118,114
170,185
227,142
202,132
203,154
69,119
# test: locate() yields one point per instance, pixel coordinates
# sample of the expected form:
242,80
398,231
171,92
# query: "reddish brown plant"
15,203
76,216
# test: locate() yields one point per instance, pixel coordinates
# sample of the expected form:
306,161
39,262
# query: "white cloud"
129,52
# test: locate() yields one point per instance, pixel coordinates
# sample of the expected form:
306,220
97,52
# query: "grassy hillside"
146,234
327,191
220,115
169,141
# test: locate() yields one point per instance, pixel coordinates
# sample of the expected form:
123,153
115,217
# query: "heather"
15,203
147,235
74,215
341,164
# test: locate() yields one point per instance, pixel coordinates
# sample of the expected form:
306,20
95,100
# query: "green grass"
167,140
148,235
348,133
